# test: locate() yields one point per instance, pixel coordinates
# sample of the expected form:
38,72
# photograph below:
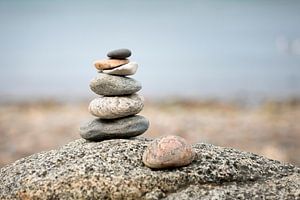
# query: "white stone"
124,70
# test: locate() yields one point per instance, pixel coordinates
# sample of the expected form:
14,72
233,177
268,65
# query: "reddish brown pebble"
168,152
109,63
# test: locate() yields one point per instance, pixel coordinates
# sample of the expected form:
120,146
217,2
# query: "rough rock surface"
112,85
116,107
113,169
103,129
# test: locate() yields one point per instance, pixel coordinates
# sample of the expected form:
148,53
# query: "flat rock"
119,53
168,152
109,63
123,70
113,169
116,107
112,85
103,129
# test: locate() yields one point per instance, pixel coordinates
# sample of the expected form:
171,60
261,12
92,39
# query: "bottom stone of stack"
121,128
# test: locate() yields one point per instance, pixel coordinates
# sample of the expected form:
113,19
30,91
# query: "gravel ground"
271,129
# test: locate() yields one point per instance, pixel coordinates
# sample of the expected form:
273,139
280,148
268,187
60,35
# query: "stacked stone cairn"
118,103
116,110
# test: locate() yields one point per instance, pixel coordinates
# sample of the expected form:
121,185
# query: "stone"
109,63
112,169
168,152
112,85
116,107
123,70
103,129
119,53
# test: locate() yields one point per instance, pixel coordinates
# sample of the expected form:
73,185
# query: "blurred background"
221,72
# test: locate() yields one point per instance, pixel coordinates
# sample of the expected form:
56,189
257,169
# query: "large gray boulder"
113,169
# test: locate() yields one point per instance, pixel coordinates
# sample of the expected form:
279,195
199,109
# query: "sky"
190,49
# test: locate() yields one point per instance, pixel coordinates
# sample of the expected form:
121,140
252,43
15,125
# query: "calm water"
219,49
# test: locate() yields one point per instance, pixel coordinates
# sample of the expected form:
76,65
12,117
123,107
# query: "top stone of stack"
119,54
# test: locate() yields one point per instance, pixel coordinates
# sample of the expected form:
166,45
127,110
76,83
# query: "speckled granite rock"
116,107
113,169
112,85
103,129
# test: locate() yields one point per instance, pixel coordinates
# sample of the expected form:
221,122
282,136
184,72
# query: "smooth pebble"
103,129
119,53
116,107
168,152
109,63
112,85
123,70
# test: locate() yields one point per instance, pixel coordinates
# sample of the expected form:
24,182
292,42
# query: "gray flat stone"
113,169
119,53
112,85
116,107
103,129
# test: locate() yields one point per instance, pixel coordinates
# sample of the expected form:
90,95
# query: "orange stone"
168,152
109,63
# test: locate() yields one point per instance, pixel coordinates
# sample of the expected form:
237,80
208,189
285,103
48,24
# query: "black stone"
119,53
